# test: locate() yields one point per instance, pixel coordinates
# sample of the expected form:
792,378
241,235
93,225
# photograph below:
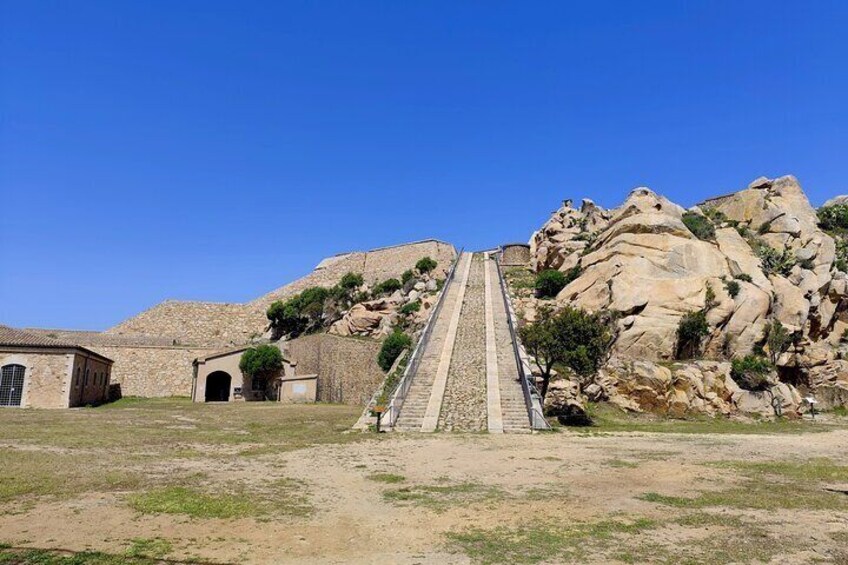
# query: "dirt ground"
170,481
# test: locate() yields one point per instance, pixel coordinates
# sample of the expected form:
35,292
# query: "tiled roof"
19,338
13,336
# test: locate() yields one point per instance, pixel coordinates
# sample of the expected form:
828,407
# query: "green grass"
238,503
534,543
24,556
124,447
389,478
777,485
181,500
155,548
440,497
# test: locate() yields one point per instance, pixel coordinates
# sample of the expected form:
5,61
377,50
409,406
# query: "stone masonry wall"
196,323
152,371
515,255
375,266
346,366
46,377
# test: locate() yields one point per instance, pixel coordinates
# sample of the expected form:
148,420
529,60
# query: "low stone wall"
151,371
346,366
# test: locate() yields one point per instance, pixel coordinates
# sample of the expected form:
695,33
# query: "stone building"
37,371
515,255
154,350
218,378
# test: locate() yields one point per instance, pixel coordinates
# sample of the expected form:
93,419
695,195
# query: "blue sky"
214,151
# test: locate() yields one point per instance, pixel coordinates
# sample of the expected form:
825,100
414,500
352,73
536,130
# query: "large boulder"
366,318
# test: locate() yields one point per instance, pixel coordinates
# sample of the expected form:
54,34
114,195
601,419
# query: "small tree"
571,337
777,340
392,347
299,314
691,330
549,283
425,265
261,362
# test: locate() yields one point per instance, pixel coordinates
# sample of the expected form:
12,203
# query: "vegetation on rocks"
549,282
570,337
777,339
774,262
299,314
833,218
351,281
411,307
751,372
388,286
691,331
732,288
392,347
425,265
699,225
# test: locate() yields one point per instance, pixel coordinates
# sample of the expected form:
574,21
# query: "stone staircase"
418,398
468,378
513,408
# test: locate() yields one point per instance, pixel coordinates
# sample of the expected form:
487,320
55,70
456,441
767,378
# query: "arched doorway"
11,385
218,387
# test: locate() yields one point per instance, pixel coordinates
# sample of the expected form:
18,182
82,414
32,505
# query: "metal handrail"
392,412
532,398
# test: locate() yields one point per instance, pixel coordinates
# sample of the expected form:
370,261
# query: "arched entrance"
218,387
11,385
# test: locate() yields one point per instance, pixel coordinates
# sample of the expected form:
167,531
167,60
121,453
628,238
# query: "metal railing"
393,409
532,398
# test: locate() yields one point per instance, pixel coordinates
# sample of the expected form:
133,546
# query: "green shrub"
411,307
834,218
351,281
691,331
841,263
732,288
407,276
300,313
744,277
388,286
774,261
261,361
699,225
751,372
392,347
425,265
549,283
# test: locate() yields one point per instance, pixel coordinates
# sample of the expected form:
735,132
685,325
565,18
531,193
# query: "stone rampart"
346,366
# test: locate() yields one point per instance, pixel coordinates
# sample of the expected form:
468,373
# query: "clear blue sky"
214,151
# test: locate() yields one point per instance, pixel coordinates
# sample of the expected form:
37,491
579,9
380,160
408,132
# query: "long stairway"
418,398
513,408
467,379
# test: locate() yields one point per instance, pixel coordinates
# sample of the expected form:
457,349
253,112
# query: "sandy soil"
550,477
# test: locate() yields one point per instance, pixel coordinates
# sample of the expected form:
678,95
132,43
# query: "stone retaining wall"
152,371
346,366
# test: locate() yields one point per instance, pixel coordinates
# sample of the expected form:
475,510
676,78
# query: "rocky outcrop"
762,258
676,390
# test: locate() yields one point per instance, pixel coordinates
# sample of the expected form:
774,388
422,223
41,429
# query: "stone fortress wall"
346,366
154,350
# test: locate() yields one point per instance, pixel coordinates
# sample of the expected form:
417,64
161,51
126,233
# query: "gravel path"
464,404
